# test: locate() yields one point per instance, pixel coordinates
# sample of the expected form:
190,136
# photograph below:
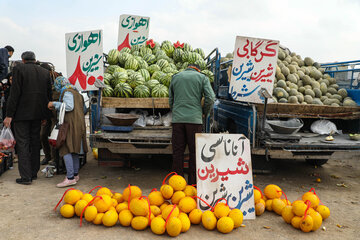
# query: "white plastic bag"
324,127
167,119
154,120
141,122
7,139
55,132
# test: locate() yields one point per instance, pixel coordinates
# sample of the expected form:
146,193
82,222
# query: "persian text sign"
84,58
223,170
133,30
253,68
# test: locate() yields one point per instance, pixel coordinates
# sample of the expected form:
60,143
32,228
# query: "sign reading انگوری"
133,30
224,172
254,67
84,59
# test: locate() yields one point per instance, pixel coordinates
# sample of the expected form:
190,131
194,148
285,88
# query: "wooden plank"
309,111
111,102
137,135
127,148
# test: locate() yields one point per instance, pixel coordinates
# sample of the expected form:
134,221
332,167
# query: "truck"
251,120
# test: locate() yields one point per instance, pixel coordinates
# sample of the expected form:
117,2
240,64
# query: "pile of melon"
303,81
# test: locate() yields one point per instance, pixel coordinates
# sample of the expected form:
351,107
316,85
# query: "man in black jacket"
26,107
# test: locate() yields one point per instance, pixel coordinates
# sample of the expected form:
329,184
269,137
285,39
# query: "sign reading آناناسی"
133,30
84,59
253,68
224,172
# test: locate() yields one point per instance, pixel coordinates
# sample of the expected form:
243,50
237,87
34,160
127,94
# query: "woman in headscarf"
75,142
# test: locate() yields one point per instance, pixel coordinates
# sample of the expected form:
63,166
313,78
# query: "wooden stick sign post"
253,68
223,170
84,59
133,30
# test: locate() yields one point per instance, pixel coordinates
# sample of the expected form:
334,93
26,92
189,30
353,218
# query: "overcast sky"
327,31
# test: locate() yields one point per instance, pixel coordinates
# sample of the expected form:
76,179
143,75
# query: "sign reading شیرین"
253,68
223,170
84,59
133,30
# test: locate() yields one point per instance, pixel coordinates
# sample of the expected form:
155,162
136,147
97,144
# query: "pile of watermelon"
146,71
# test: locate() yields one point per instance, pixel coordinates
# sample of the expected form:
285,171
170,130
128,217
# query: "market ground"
26,212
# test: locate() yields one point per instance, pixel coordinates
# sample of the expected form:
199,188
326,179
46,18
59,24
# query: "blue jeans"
72,164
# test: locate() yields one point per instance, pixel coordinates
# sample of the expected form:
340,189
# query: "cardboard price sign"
223,170
253,68
84,59
133,30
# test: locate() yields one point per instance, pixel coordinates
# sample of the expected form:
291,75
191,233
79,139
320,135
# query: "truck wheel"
316,162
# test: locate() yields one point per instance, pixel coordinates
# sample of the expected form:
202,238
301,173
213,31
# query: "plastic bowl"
286,127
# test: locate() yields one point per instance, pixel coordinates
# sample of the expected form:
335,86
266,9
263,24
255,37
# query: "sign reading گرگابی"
84,59
253,68
133,30
223,170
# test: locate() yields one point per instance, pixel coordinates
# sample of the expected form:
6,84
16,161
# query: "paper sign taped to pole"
253,68
84,59
224,172
133,30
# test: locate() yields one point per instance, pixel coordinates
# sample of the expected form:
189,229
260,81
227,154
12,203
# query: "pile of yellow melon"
306,214
172,209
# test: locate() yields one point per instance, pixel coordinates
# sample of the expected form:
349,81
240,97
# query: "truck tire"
316,162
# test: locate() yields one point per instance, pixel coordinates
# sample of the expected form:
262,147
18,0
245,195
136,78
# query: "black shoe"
24,181
44,161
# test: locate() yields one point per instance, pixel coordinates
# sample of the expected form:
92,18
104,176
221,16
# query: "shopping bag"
54,136
7,139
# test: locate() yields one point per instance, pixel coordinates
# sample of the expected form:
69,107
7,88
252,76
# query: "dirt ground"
26,212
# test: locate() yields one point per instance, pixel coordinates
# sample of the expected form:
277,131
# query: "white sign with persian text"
133,30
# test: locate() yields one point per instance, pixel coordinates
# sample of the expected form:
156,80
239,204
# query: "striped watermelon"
168,69
185,56
200,51
123,57
129,72
187,47
123,90
179,65
113,56
135,80
160,53
153,68
135,48
136,53
149,58
132,63
118,77
144,50
152,83
143,64
125,49
160,91
209,74
162,63
112,68
119,69
108,91
193,57
141,91
185,65
177,55
107,78
165,42
145,73
201,63
168,49
157,75
166,79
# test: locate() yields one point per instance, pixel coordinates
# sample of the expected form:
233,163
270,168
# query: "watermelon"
200,51
138,58
119,69
173,66
187,47
166,79
123,57
135,48
168,49
118,77
160,91
129,72
179,65
107,91
153,68
168,69
177,55
157,75
162,63
123,90
132,63
144,50
165,42
145,73
141,91
149,58
186,56
143,64
201,63
125,49
113,56
185,65
135,80
193,57
136,53
209,74
152,83
112,68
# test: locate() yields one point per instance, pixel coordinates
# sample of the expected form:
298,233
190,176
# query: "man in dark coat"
5,54
26,107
